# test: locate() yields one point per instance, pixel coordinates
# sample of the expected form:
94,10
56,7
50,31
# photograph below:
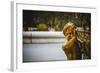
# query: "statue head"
69,30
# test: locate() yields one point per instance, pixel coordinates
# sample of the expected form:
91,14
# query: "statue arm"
69,43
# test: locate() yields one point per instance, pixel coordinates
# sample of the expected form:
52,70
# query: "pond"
43,52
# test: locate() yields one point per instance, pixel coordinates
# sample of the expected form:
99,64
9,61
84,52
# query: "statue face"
69,34
69,30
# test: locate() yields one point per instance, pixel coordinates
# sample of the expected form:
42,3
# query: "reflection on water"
43,52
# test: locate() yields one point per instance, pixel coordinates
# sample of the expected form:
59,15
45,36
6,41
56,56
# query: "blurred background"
53,21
